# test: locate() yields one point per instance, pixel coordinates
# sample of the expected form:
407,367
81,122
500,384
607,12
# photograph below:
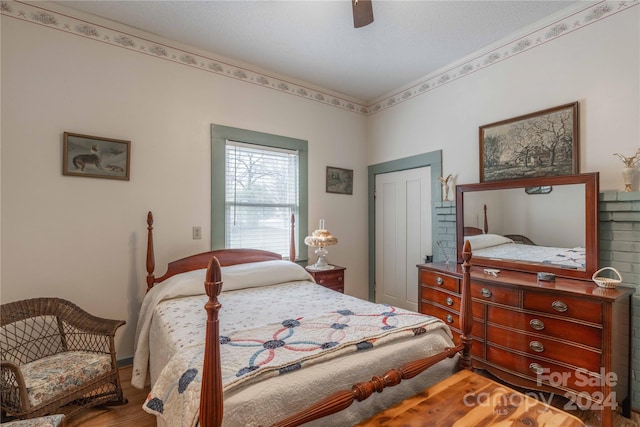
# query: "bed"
279,348
516,247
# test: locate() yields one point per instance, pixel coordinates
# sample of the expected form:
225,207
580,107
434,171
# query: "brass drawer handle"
486,293
449,301
439,280
321,281
559,306
537,324
340,279
536,368
536,346
449,318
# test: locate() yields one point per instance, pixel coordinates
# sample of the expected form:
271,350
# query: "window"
261,194
258,181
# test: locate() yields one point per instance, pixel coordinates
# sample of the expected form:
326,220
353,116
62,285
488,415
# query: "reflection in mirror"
553,232
545,189
555,220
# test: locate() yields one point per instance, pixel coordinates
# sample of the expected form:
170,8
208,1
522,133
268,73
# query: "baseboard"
125,362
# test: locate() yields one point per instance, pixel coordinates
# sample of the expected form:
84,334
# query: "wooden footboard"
211,399
343,399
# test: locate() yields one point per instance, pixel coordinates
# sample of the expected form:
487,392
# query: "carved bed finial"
466,317
151,262
292,240
211,404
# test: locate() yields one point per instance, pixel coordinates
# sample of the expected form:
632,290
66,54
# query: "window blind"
261,193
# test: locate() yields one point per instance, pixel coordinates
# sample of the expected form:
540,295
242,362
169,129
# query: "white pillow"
263,273
487,240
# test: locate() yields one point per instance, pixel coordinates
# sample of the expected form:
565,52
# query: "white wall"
85,239
597,65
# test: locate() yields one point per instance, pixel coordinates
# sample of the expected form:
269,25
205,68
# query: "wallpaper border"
558,28
83,28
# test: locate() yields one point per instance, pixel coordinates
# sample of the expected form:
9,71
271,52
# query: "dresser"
332,279
569,337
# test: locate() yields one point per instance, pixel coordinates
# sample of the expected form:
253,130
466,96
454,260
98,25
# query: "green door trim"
432,159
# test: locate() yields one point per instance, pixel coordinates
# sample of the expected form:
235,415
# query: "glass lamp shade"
320,239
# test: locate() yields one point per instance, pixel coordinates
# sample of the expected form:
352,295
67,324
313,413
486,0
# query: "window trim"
219,136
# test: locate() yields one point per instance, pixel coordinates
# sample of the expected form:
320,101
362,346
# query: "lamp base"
321,262
321,267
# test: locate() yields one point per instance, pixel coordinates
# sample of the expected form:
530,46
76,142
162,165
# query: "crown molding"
559,25
91,27
567,22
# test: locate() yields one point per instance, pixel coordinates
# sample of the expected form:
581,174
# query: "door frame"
432,159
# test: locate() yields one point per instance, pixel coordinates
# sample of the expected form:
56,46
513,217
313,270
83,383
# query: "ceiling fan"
362,12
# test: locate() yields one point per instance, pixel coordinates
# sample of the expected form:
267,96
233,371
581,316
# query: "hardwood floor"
132,414
127,415
589,418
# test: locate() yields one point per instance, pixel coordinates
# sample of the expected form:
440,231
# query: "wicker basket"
606,282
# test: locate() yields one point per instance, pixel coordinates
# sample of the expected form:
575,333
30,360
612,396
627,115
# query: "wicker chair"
56,358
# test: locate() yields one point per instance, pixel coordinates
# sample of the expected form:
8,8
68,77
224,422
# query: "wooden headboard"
225,257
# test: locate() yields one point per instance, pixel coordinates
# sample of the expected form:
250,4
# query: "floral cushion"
60,373
48,421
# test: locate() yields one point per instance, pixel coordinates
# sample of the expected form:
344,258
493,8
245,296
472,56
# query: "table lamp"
320,239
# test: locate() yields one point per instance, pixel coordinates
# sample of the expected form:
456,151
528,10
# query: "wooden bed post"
292,240
466,314
211,405
151,262
486,223
342,399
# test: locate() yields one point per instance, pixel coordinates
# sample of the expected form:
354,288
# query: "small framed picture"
339,180
95,157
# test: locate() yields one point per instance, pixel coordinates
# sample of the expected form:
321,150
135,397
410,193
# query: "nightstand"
332,279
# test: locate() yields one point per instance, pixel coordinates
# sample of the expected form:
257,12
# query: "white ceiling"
314,41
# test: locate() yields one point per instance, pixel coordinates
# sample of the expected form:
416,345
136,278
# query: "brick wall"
444,242
620,249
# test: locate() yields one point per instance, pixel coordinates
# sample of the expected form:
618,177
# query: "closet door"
403,234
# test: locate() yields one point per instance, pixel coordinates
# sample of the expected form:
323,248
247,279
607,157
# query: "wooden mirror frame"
591,182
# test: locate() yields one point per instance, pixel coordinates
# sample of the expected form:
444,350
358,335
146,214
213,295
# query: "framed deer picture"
95,157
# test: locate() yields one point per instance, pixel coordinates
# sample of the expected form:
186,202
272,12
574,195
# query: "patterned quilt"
279,348
561,257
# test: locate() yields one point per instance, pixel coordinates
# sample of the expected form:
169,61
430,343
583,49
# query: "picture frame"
543,143
95,156
339,180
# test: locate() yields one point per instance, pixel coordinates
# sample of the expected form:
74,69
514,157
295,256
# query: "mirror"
512,227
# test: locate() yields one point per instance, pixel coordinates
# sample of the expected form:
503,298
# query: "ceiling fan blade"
362,12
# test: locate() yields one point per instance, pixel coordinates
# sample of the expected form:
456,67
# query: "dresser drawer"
449,317
495,294
549,373
549,326
439,280
329,278
428,293
545,347
450,301
452,319
590,311
332,279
